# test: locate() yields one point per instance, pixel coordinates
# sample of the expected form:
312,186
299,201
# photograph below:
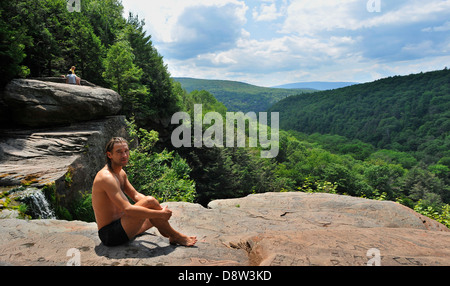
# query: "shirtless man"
117,219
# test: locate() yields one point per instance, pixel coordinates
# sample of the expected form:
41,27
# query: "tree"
385,178
105,16
156,78
395,157
419,182
85,50
120,69
41,38
12,44
163,175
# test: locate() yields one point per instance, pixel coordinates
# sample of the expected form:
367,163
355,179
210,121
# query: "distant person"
78,79
71,78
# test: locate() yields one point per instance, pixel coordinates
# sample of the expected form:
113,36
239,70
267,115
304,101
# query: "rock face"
68,156
36,103
265,229
63,131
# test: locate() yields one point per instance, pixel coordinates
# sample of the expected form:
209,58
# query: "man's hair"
110,147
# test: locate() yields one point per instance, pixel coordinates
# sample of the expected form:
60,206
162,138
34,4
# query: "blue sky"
274,42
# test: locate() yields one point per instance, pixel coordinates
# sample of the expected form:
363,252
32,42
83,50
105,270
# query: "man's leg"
134,226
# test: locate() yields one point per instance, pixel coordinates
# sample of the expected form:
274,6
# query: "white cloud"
266,12
410,12
442,28
263,61
162,17
205,29
271,42
310,17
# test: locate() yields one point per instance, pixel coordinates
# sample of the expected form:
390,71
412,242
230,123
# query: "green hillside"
403,113
238,96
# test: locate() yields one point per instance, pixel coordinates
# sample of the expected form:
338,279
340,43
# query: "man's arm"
131,191
115,194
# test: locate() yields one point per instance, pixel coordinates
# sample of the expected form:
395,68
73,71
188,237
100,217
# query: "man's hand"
166,213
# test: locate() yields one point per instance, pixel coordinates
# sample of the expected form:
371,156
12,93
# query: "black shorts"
113,234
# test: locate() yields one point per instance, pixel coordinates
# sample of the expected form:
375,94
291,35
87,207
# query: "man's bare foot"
183,240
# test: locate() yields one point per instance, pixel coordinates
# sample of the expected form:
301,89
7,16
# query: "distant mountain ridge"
318,85
239,96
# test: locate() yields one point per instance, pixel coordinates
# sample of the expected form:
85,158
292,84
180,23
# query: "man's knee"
152,203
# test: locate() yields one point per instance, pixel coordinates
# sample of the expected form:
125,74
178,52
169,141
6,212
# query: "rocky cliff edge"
265,229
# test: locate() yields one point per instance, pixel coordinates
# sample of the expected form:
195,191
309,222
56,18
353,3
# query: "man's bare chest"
120,182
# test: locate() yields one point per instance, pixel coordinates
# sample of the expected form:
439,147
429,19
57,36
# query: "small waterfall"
38,206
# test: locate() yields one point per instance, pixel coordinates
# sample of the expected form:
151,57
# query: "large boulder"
291,229
264,229
36,103
67,156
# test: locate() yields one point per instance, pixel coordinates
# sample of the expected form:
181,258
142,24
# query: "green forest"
407,114
386,140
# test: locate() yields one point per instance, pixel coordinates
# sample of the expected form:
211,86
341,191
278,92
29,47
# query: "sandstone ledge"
35,103
265,229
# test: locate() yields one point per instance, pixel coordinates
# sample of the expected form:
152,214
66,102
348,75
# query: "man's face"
120,154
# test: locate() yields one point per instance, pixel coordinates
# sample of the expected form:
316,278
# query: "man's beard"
121,163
